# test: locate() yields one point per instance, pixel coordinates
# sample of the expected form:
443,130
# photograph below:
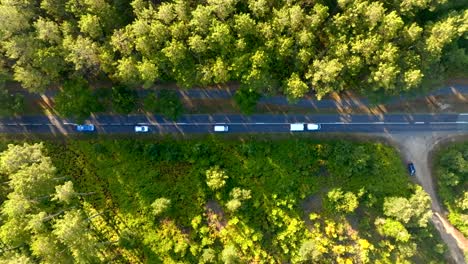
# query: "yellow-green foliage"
272,224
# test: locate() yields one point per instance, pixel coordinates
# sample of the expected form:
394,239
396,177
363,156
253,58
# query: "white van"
313,126
221,128
297,127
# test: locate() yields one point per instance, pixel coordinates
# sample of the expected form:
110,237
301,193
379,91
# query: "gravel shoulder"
418,149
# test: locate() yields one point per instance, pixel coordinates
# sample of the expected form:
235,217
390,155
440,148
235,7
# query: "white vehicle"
221,128
140,129
313,126
297,127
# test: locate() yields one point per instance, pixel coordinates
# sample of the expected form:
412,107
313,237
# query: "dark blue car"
411,169
85,128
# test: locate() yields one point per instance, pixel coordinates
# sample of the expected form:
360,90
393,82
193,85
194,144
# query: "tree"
49,250
309,251
415,211
392,228
151,103
84,53
454,161
229,255
31,78
160,205
123,99
33,181
324,74
342,202
15,258
462,202
48,30
76,100
443,32
246,99
127,71
208,256
91,25
216,178
237,196
149,72
10,103
295,87
18,156
170,104
73,231
66,193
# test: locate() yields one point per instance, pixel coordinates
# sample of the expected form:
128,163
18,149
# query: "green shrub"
123,99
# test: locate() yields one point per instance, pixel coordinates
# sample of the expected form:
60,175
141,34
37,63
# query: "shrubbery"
452,181
247,201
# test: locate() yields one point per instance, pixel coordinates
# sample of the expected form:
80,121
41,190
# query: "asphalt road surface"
113,124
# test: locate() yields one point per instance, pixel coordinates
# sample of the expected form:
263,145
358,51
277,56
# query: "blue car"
85,128
411,169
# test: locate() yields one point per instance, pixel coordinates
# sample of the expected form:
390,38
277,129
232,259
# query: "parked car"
313,126
411,169
221,128
141,129
296,127
85,128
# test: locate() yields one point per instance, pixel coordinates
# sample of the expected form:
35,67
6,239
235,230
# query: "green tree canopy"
76,100
413,211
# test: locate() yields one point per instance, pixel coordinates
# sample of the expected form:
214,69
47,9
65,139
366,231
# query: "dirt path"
417,149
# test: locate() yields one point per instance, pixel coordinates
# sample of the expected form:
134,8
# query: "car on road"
141,129
411,169
221,128
313,126
85,128
296,127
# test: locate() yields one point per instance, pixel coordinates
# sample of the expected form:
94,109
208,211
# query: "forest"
211,200
293,47
452,182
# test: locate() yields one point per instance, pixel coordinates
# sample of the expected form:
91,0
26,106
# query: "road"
282,100
111,124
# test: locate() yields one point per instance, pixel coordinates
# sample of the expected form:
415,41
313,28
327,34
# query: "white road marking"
441,123
463,114
255,123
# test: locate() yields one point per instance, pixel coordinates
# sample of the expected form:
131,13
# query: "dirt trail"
417,149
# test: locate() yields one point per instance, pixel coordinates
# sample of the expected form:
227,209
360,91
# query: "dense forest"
452,182
211,201
292,47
